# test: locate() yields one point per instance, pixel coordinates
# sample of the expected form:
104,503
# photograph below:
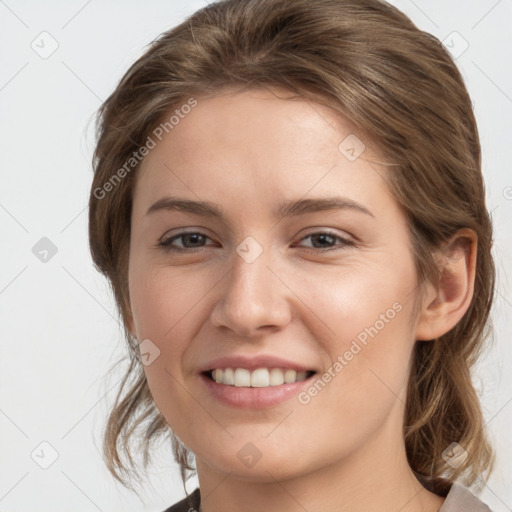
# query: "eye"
323,241
190,241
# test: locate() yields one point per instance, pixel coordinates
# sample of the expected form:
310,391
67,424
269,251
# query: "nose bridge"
252,296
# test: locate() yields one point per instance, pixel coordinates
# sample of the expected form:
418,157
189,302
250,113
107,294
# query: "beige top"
461,499
458,499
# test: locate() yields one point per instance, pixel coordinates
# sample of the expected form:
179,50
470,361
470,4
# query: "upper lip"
252,363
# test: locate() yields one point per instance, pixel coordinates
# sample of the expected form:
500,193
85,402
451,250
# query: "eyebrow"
287,209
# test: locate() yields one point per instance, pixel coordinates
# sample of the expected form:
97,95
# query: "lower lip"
254,398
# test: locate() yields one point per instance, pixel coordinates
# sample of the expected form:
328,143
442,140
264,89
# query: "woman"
288,203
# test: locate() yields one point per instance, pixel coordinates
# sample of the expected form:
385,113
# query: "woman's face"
276,282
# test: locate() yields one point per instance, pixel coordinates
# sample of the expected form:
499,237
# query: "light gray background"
59,328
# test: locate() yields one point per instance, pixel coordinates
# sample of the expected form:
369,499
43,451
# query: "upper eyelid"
204,231
166,237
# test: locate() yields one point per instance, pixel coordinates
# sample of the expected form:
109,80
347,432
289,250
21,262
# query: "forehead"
245,122
245,147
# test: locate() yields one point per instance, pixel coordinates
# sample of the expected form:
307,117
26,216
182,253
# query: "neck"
373,478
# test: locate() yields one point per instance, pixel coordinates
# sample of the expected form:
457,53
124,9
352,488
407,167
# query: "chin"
264,471
254,462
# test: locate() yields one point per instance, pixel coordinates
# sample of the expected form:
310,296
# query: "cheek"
161,309
163,301
165,308
168,306
370,349
356,303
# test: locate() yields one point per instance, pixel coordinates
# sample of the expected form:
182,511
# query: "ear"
445,305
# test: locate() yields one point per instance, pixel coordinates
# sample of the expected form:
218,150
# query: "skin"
247,152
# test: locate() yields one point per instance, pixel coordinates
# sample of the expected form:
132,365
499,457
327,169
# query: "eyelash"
167,247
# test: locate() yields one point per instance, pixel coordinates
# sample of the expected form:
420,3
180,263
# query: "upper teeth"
259,378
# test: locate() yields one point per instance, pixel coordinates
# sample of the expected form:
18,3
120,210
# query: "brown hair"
368,61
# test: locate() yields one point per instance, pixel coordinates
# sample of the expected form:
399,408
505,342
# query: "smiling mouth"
258,378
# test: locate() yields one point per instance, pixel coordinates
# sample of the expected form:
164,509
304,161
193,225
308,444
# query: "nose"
252,298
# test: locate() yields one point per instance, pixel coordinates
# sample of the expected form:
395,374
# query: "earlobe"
445,305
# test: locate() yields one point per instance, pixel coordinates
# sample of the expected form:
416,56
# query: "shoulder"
461,499
188,504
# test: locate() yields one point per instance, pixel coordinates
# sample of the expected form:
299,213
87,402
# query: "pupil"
322,238
194,236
